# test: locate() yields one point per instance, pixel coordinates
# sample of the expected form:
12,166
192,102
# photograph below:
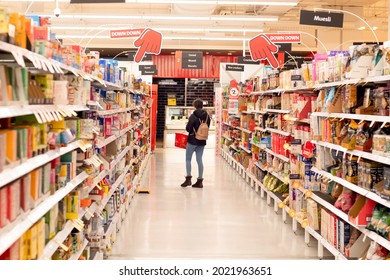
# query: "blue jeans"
190,149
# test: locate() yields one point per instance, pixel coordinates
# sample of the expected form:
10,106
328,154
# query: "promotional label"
284,37
321,18
125,33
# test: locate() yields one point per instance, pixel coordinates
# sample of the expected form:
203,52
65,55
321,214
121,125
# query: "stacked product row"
70,166
320,149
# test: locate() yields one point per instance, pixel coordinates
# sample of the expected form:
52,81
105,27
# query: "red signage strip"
284,37
125,33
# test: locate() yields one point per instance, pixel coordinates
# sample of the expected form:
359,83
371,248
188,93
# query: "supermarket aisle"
225,220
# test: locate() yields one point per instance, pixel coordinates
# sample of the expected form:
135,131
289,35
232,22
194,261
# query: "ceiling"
202,25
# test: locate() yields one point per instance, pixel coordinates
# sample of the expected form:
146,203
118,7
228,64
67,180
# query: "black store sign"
321,18
147,56
234,67
148,69
192,60
246,60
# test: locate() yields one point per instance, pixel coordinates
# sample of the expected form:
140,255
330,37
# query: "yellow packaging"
23,247
72,206
40,226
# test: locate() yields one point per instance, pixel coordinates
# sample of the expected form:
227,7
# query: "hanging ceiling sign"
192,60
321,18
235,67
246,60
125,33
284,37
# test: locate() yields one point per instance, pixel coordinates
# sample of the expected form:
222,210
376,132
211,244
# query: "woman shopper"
195,130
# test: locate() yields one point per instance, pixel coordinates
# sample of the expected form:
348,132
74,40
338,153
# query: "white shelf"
372,235
10,111
338,83
97,179
98,256
244,129
245,149
353,187
11,174
113,112
278,111
113,188
257,145
106,141
284,158
227,138
248,112
359,154
281,178
77,255
369,118
259,112
225,123
234,148
111,228
376,79
259,166
338,255
20,227
281,132
119,157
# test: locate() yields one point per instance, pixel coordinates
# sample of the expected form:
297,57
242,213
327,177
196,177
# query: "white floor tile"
226,219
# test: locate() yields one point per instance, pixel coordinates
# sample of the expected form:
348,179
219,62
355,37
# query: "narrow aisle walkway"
224,220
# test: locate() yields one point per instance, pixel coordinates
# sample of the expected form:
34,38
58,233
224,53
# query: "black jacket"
193,122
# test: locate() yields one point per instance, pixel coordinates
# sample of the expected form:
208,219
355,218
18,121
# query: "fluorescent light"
159,17
258,3
195,2
184,29
252,18
164,38
175,18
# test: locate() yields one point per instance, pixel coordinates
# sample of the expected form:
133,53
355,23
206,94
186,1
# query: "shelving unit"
137,116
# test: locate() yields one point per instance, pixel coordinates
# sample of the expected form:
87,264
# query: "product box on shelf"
361,212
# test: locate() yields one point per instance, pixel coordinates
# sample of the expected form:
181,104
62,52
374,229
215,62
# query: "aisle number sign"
233,100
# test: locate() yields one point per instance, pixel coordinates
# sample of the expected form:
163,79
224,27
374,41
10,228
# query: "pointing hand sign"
149,41
261,48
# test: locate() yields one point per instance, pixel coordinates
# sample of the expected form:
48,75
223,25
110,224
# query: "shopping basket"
181,140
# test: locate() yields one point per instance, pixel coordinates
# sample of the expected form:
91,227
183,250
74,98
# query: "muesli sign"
321,18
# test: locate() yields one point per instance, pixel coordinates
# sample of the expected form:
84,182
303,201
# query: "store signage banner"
284,37
246,60
235,67
125,33
96,1
321,18
192,60
262,48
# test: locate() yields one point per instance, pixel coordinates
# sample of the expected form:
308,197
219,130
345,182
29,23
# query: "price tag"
308,194
372,124
383,125
89,212
351,157
305,223
38,117
19,58
49,66
63,246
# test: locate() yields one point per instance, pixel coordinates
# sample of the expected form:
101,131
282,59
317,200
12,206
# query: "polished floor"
226,219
